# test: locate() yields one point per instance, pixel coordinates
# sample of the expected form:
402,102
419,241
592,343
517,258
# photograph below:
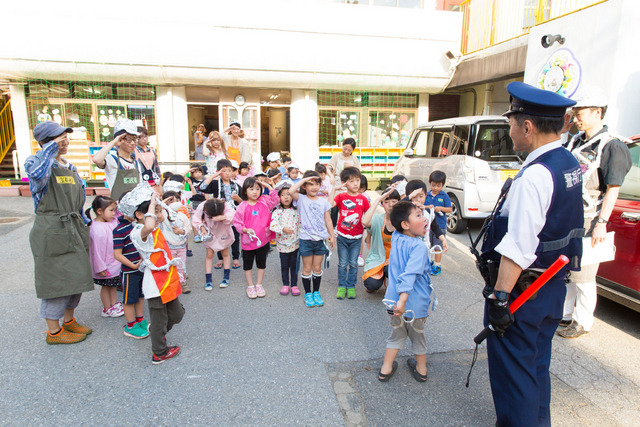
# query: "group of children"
141,243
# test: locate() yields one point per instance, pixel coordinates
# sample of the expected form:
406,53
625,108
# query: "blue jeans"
348,251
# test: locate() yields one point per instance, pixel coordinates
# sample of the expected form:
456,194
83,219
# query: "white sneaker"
360,261
116,311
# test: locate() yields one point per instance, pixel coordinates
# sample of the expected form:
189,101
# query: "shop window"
367,99
80,116
390,128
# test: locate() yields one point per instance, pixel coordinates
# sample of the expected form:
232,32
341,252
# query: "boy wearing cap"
121,169
59,238
274,163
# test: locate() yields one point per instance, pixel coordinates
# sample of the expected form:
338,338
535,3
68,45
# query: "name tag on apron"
65,180
130,180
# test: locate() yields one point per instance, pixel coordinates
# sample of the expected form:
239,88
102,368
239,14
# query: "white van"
477,155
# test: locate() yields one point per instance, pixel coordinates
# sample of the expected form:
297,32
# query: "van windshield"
493,144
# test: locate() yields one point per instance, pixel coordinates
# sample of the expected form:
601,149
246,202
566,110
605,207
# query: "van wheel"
455,223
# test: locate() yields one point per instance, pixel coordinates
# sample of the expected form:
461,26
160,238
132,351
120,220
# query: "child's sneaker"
351,293
224,283
295,291
360,261
64,337
117,310
135,332
251,292
185,288
317,299
172,352
76,327
144,324
284,290
436,270
107,312
197,238
189,253
260,291
309,300
341,292
208,286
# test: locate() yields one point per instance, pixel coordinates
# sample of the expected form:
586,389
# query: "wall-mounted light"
548,40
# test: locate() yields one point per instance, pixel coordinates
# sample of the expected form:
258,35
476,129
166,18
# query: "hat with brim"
47,131
293,166
526,99
273,157
125,126
257,174
235,123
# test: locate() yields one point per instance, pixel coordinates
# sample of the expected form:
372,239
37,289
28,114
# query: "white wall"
603,39
21,125
290,44
172,121
304,128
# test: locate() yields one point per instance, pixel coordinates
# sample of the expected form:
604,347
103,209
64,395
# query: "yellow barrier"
490,22
7,135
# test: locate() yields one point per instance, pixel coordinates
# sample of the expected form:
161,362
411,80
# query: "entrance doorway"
207,114
275,130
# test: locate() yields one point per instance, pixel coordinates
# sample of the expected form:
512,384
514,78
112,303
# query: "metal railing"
489,22
7,135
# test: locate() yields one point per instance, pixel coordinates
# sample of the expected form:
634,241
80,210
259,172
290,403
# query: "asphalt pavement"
273,361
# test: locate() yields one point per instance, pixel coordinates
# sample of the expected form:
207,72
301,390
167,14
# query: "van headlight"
469,176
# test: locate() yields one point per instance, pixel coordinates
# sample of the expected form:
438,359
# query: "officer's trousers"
519,361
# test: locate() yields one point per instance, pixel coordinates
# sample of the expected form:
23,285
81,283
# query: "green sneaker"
351,293
341,292
144,325
136,332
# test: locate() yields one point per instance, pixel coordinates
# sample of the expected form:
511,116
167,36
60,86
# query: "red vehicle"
619,280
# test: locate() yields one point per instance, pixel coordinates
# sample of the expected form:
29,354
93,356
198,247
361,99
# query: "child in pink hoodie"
212,219
252,220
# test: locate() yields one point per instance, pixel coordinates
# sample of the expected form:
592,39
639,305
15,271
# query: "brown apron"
126,180
60,239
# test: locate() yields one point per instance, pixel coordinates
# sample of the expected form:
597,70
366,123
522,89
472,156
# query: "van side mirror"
408,152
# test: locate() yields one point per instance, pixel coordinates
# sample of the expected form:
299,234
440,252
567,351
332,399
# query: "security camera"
548,40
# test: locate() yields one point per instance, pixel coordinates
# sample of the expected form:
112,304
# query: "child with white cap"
274,163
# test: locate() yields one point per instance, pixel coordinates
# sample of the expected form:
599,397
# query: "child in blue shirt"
439,203
410,286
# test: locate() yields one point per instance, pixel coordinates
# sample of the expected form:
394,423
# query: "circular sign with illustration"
561,73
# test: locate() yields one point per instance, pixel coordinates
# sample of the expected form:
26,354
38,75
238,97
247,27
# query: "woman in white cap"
237,147
122,170
59,238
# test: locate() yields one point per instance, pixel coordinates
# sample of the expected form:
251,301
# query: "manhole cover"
7,220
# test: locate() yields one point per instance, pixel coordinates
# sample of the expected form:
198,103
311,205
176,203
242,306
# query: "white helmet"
590,96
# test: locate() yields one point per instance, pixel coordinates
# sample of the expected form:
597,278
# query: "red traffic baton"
535,287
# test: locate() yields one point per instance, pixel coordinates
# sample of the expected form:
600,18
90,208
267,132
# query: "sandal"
218,266
260,291
411,363
383,378
251,292
236,264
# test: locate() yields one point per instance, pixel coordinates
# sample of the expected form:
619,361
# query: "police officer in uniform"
605,160
540,219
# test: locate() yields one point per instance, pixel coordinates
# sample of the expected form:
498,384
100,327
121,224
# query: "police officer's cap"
526,99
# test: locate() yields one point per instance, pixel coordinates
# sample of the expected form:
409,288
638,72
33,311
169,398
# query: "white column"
423,109
172,127
21,125
304,128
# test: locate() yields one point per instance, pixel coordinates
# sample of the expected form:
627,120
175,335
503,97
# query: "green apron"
60,239
125,181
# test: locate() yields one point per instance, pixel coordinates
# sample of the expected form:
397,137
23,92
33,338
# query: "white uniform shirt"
527,205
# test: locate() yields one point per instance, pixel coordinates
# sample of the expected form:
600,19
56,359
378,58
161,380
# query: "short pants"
53,308
260,256
132,287
402,330
312,247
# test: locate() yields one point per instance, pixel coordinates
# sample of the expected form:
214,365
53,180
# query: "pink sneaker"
260,291
284,290
117,310
295,291
251,292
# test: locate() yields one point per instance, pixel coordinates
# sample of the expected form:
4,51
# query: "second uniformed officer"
541,219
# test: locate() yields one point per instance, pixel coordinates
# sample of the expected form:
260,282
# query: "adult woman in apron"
59,238
122,170
147,159
237,148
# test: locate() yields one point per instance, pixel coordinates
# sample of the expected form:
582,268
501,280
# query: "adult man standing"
605,161
540,220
